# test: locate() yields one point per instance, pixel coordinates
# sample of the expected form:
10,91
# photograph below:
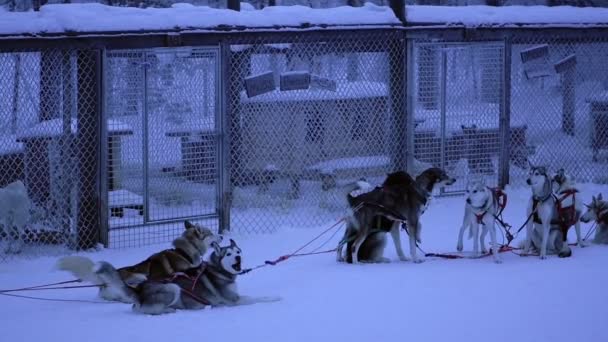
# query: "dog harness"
500,198
193,275
566,216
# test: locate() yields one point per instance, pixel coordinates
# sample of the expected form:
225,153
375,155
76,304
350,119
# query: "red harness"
190,290
566,215
500,197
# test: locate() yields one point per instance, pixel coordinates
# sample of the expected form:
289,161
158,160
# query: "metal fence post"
399,114
225,141
504,124
88,144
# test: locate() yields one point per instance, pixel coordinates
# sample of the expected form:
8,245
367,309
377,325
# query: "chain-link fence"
559,88
162,153
48,132
273,131
308,118
457,90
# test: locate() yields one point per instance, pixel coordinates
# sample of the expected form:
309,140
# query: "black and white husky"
213,283
480,209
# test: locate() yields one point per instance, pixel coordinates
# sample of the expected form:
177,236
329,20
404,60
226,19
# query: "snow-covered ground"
523,299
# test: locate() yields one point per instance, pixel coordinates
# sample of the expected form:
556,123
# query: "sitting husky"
211,283
186,253
15,208
598,211
547,230
481,208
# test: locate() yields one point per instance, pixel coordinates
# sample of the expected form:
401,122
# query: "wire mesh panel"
560,89
308,118
48,136
457,94
162,156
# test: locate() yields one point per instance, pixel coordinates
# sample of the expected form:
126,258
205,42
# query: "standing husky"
186,253
375,213
547,230
598,211
211,283
481,208
15,208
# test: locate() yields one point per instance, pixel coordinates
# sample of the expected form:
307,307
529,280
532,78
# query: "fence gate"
162,160
457,106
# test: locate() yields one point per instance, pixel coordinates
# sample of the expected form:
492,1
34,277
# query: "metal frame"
220,40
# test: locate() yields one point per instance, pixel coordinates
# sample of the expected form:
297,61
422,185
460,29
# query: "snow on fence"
119,138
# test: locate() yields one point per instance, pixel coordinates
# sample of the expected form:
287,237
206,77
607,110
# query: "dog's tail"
360,185
80,267
102,273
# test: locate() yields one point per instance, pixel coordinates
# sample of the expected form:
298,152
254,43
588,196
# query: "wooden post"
88,142
567,69
399,116
398,7
234,5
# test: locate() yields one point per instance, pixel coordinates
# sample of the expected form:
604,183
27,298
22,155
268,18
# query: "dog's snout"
238,258
528,181
468,200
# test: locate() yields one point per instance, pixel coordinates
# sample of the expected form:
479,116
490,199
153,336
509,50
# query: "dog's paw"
484,250
542,257
340,259
418,260
498,261
459,247
583,244
404,258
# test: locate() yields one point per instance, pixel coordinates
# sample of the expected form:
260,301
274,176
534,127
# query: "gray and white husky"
480,209
547,230
597,211
213,283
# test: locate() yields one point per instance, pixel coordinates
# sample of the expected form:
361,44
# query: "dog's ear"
188,224
232,243
530,164
599,197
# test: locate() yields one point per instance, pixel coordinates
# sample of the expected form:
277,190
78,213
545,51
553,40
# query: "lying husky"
375,213
481,208
598,211
186,253
547,230
15,208
211,283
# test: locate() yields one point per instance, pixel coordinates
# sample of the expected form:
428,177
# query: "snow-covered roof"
506,15
93,17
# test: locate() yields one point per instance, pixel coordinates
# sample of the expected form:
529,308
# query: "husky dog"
598,211
481,208
186,253
566,192
382,210
211,283
15,208
547,230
